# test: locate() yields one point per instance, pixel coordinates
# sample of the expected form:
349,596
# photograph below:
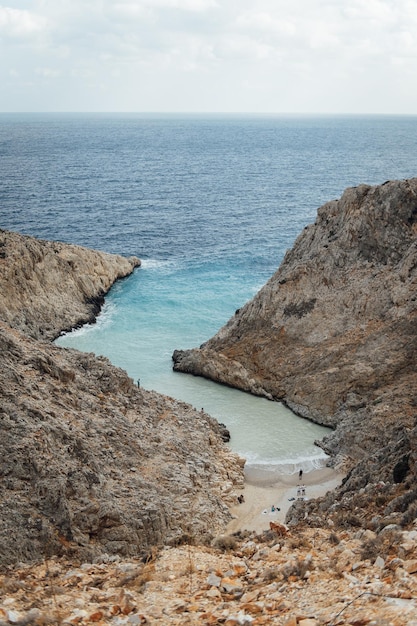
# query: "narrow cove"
140,326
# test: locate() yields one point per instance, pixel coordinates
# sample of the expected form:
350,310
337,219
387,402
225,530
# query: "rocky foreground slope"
334,332
313,577
89,463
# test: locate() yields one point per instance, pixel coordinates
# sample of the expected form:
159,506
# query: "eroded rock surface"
334,335
333,332
89,463
47,286
313,577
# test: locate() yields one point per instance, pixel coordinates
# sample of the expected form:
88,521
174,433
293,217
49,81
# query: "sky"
218,56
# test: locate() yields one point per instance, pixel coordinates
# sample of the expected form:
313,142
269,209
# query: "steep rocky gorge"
333,332
97,476
89,463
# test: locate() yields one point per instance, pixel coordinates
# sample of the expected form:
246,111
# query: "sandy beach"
264,490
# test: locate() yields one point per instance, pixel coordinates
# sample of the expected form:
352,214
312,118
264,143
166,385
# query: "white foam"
152,264
289,466
103,320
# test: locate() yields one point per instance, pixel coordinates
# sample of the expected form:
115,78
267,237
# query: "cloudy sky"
294,56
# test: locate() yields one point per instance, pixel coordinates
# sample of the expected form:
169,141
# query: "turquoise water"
134,332
210,204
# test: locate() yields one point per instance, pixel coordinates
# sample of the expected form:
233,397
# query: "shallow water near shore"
210,204
267,434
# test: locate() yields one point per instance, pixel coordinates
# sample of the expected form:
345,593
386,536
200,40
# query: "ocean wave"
289,466
159,264
103,320
153,263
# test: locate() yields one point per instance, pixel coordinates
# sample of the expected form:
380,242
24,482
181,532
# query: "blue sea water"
210,204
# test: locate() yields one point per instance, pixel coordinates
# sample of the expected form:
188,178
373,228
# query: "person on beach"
300,474
301,492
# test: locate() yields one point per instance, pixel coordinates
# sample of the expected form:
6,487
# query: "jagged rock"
47,286
67,449
172,587
334,335
89,463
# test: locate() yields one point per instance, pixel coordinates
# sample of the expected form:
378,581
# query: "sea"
210,204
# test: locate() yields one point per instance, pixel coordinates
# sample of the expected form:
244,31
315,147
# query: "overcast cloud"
317,56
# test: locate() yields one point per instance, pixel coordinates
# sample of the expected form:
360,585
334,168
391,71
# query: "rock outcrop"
333,332
334,335
89,463
47,287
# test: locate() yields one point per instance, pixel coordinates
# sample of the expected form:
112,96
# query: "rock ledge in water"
47,287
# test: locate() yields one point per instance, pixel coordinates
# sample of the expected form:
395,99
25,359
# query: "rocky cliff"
334,332
89,463
47,286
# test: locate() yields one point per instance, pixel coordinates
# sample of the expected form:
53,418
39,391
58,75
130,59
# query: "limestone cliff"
89,463
92,464
333,332
47,286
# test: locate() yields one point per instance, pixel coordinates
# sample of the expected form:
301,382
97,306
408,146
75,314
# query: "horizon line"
213,113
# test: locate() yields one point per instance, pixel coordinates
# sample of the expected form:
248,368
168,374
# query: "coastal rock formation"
334,335
47,287
97,476
89,463
333,332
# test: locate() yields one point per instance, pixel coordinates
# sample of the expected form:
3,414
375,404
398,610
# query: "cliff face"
89,463
92,464
47,286
333,332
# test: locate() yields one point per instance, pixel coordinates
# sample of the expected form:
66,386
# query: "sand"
265,489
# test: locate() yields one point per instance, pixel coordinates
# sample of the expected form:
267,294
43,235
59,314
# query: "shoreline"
263,490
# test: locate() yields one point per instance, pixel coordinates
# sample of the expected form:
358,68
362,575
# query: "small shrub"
297,568
347,520
190,568
410,515
299,541
380,546
271,574
370,549
380,500
334,539
185,539
402,502
401,469
225,543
